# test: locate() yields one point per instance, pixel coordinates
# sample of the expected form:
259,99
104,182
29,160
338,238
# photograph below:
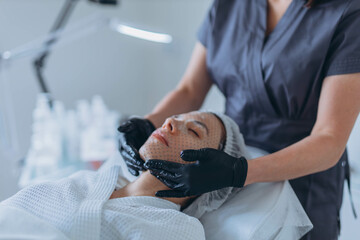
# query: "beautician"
290,73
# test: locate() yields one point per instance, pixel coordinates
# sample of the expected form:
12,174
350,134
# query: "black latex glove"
212,170
133,134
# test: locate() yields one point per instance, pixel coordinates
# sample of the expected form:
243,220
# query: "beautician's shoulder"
349,6
346,8
351,11
224,10
353,6
228,5
340,5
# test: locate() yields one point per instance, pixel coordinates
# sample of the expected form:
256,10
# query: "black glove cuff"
149,125
240,172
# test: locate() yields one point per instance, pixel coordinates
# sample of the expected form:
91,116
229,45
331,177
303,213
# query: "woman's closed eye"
194,132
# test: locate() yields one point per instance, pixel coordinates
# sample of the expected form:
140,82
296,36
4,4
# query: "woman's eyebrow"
203,125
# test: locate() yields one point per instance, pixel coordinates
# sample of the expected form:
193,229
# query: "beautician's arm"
339,106
189,94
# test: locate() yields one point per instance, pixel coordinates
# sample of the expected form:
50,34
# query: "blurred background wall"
131,75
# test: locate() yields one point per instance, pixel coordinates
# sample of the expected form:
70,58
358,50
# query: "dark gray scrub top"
272,84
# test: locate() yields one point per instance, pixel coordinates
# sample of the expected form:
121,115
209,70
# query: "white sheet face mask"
193,130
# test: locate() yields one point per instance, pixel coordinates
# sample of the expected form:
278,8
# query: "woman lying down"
86,206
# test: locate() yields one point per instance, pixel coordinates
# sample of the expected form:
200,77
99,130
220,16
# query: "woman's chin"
145,155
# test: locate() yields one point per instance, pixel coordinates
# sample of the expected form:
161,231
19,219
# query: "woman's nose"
171,125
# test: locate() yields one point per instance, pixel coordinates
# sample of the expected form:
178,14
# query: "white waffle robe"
78,207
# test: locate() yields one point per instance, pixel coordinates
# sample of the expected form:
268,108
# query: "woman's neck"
145,185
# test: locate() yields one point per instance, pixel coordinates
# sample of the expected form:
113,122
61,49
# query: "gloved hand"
212,170
133,134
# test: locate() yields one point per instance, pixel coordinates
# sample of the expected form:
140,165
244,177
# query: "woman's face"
192,130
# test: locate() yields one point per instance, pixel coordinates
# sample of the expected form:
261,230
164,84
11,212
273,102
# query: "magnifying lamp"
111,2
60,22
39,49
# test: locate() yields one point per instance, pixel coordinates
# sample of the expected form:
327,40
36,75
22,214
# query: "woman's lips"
158,135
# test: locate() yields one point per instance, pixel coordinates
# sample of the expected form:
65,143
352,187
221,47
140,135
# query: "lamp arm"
60,22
